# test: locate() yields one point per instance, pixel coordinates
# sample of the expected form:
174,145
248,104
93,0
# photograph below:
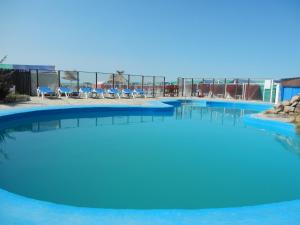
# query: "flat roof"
27,67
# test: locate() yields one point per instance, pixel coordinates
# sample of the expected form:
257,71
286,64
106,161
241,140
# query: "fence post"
178,86
96,80
182,88
164,87
113,80
192,94
203,87
37,78
58,78
225,88
128,81
77,81
236,85
243,91
213,87
247,89
30,83
153,87
271,92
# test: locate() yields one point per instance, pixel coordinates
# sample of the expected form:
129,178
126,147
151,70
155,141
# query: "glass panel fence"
218,88
69,79
253,89
120,81
188,87
196,86
33,77
135,82
148,86
171,89
205,88
155,86
44,78
87,79
234,89
159,86
180,86
105,80
48,79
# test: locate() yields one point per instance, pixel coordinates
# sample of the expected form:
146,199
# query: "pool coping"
17,209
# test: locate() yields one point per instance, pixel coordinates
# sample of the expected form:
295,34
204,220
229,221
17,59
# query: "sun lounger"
113,92
99,92
127,93
64,90
139,92
42,91
86,91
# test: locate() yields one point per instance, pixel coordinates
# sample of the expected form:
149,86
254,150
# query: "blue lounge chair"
86,91
127,93
42,91
99,92
113,92
139,92
64,90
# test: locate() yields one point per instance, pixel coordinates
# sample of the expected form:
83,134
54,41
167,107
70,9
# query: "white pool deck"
16,209
37,101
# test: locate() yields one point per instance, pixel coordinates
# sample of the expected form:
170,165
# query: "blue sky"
172,38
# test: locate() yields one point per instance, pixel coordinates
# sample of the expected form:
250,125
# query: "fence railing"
26,82
153,86
243,89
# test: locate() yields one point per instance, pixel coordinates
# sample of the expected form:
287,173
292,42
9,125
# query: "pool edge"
17,209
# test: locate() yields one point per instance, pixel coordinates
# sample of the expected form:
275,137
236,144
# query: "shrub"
6,81
11,98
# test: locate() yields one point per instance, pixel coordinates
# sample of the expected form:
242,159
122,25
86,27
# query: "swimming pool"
191,156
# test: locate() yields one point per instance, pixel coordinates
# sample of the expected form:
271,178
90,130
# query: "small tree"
6,81
3,59
119,78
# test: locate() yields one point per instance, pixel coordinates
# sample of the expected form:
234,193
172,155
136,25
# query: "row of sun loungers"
87,92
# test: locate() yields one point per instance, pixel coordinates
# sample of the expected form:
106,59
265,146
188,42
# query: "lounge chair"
86,91
139,92
113,92
98,92
64,90
42,91
127,93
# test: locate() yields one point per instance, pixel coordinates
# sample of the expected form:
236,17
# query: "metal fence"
229,88
153,86
26,82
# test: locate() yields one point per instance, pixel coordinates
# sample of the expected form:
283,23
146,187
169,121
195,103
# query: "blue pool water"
192,157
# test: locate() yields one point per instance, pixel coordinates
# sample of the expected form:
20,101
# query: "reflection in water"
4,135
54,122
292,144
217,115
188,111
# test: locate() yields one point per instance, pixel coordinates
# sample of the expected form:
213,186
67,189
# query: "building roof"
27,67
290,82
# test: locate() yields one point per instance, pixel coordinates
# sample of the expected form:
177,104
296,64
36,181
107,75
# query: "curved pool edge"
17,209
151,105
283,128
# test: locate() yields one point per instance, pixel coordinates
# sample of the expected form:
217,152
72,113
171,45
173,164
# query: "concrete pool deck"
37,101
16,209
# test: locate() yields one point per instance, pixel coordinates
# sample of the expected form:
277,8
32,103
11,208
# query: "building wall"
288,92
